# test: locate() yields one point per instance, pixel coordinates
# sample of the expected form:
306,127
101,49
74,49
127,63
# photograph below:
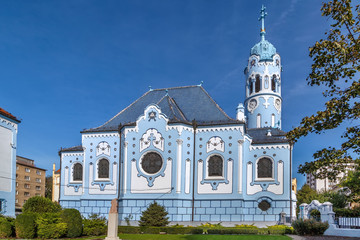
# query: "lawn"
200,237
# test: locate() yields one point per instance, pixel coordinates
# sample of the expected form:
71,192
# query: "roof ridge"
178,108
162,89
217,105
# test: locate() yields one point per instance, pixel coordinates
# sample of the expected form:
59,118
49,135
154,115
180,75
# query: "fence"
344,222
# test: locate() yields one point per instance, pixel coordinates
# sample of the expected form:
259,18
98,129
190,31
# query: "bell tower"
263,83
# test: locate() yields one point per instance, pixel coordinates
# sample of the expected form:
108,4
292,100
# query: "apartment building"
30,181
321,185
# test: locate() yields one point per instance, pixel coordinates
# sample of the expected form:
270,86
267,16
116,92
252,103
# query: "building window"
27,178
2,205
264,205
38,180
27,169
26,194
78,172
103,168
38,172
273,83
265,168
258,120
151,162
37,194
17,192
215,166
38,188
257,83
17,184
27,186
250,86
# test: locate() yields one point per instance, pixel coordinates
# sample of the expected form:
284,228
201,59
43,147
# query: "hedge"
309,227
25,225
346,212
72,218
94,225
157,230
6,228
49,225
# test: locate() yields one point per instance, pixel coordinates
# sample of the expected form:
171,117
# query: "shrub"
309,227
245,226
25,225
280,229
154,215
40,205
94,225
157,230
49,225
233,231
6,228
72,218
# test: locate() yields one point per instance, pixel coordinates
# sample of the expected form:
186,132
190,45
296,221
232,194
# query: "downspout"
193,188
291,210
120,162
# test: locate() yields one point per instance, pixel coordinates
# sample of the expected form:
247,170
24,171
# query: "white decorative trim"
266,104
278,146
98,135
278,189
103,148
125,165
278,108
240,163
187,176
152,135
222,129
8,122
179,163
179,128
251,190
215,143
76,154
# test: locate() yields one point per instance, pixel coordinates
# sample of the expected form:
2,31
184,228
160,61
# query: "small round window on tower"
264,205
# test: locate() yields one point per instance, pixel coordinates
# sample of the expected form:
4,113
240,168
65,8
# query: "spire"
262,19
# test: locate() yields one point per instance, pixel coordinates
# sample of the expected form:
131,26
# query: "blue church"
177,147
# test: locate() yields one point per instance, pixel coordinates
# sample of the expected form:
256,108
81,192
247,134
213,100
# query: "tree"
154,215
48,187
352,181
336,65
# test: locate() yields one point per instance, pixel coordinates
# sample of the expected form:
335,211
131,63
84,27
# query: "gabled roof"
8,115
72,149
261,135
179,104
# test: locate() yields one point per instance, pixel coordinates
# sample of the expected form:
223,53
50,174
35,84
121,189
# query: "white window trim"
207,177
273,170
72,174
97,179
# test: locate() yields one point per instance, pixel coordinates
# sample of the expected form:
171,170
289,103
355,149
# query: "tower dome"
263,83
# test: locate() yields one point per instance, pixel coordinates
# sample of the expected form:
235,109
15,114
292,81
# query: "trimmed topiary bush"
309,227
6,228
40,205
155,215
49,225
25,226
72,218
280,229
94,225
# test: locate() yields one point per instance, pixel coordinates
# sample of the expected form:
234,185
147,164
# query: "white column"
178,165
240,165
125,166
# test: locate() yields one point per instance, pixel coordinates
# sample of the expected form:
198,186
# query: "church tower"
263,83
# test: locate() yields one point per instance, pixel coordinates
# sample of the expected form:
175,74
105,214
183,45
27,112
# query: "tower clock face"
252,105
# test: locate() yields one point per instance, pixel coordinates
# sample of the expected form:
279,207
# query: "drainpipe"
120,162
291,210
193,188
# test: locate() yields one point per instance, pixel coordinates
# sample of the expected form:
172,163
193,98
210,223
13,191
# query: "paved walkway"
296,237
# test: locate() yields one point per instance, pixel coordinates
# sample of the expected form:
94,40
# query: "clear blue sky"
70,65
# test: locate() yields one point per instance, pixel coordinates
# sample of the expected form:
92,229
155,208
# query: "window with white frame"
27,169
27,178
215,166
38,188
27,186
38,172
77,172
26,194
265,168
103,168
38,180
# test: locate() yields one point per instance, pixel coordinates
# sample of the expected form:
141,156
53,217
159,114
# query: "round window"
151,162
264,205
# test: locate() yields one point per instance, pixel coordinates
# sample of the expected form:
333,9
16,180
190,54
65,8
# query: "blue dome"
264,49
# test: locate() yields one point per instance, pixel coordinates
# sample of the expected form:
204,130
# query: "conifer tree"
155,215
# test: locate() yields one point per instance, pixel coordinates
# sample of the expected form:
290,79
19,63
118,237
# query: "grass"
200,237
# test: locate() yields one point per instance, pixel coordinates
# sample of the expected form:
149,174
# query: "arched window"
273,83
77,172
215,166
265,168
103,168
258,120
257,83
251,86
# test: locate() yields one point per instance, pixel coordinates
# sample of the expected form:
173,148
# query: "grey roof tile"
260,135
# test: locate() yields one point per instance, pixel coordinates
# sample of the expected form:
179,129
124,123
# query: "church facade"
177,147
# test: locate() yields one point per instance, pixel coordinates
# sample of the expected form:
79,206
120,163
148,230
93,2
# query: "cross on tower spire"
262,19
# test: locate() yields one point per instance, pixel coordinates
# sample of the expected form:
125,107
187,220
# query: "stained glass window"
215,166
77,172
265,168
103,168
151,162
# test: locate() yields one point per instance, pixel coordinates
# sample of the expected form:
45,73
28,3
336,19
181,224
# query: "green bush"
49,225
245,226
40,205
315,214
309,227
233,230
345,212
72,218
157,230
6,228
280,229
154,215
94,225
25,225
